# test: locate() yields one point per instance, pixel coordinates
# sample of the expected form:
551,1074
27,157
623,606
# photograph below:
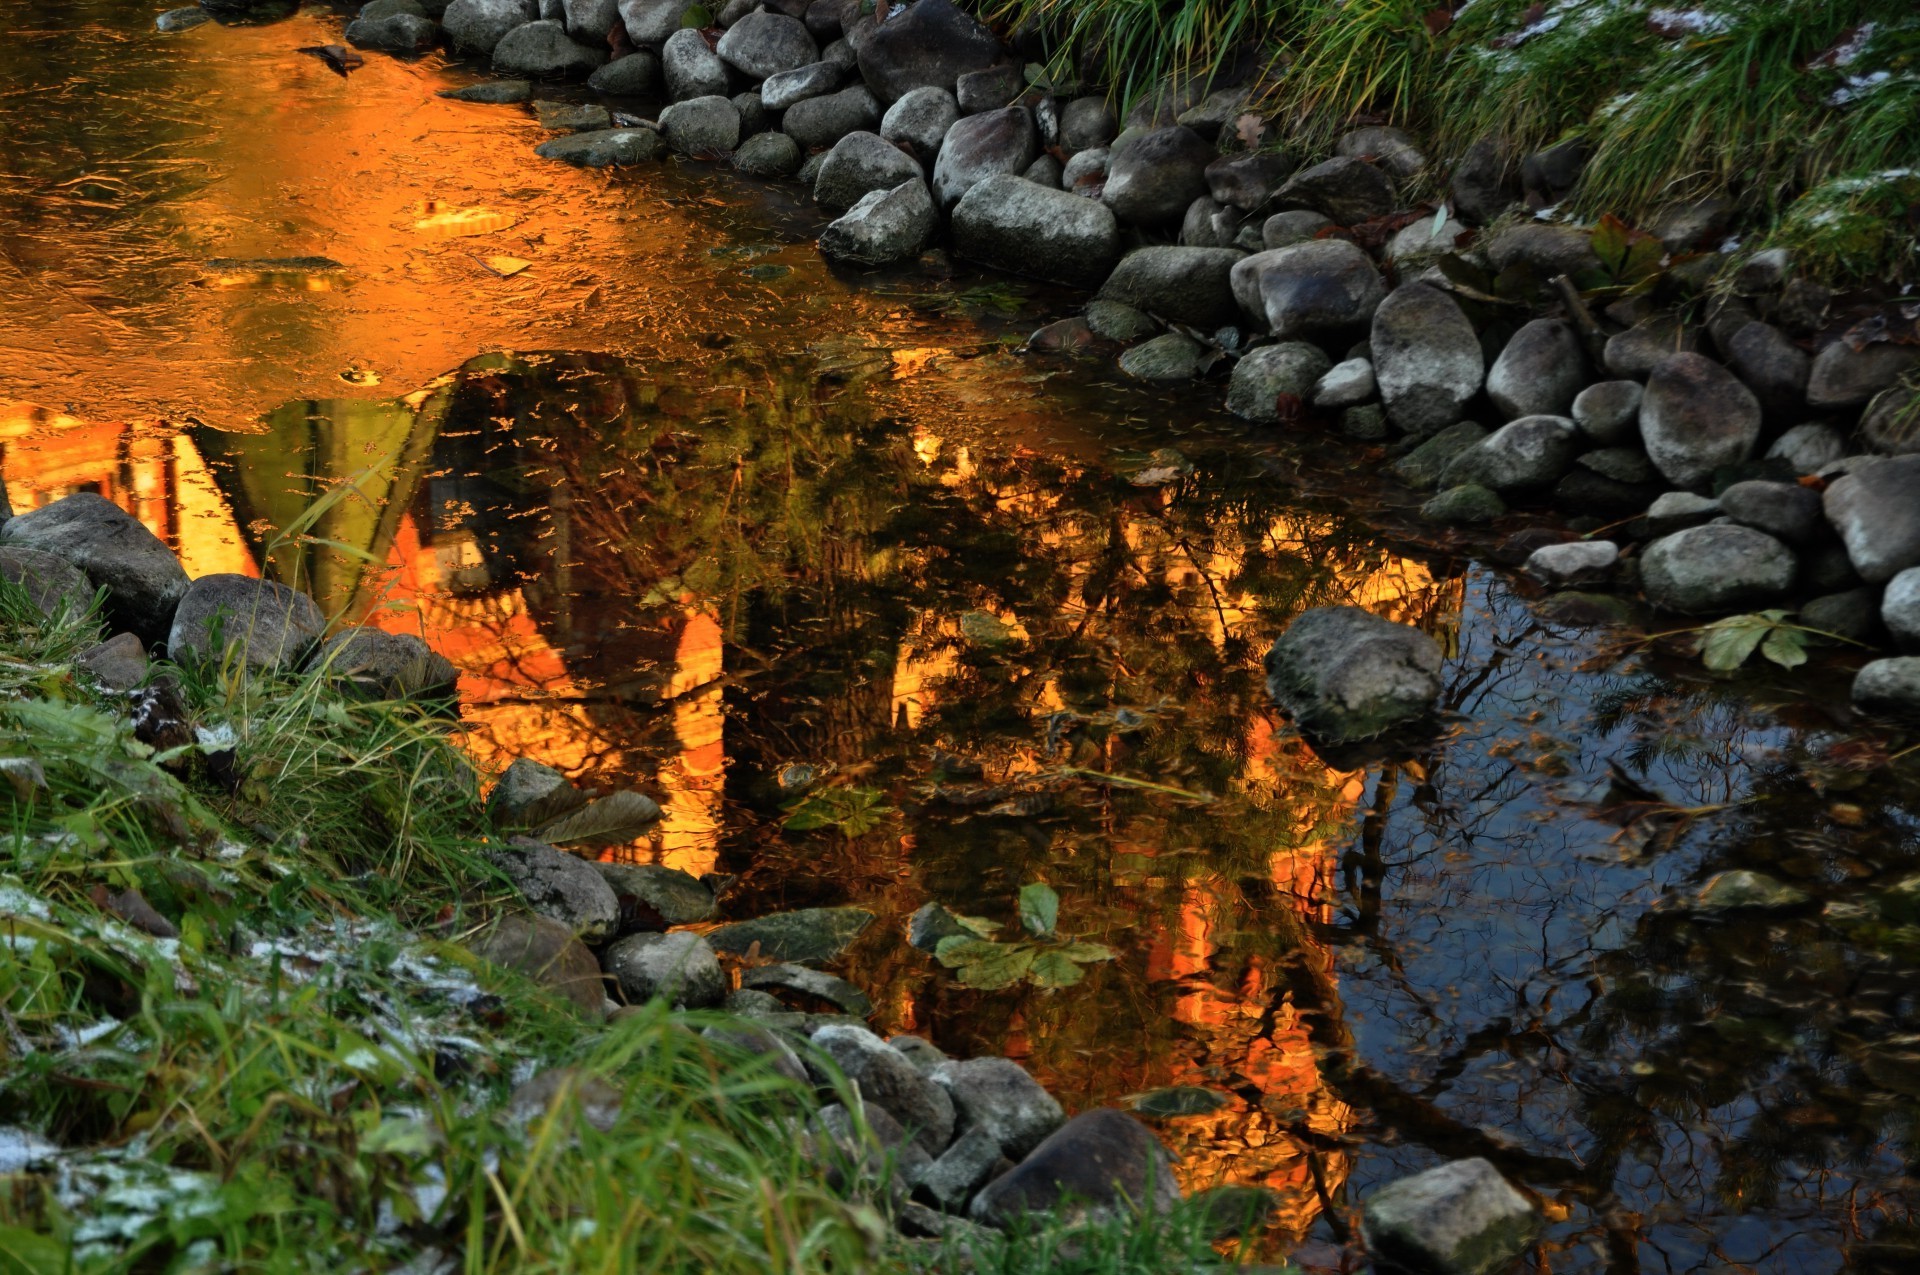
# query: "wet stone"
548,953
1696,418
1716,568
1181,285
809,934
1102,1164
393,32
1009,223
1533,451
268,626
1421,468
1890,687
1347,675
809,982
1171,356
789,87
1539,372
707,125
1344,385
635,75
174,21
824,120
921,118
1741,889
560,886
668,893
572,117
493,92
998,1096
887,1079
1153,180
1345,189
1608,412
1466,505
883,226
1578,562
542,50
1461,1218
679,968
143,579
605,148
1118,322
1785,511
768,155
1366,423
1270,383
1426,358
1621,464
1852,613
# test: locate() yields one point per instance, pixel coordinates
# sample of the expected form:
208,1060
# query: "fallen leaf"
506,267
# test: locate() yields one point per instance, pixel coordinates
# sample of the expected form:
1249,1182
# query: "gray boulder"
1117,322
1545,250
692,69
1087,123
1296,225
996,1096
393,33
1482,185
1467,505
981,146
1181,285
477,25
1532,452
1539,372
1101,1165
1345,384
1461,1218
1421,468
1346,675
605,148
883,227
672,895
1393,149
824,120
959,1171
1634,354
1427,358
382,665
1852,613
1842,376
1322,286
1247,182
1576,562
119,663
51,583
701,126
1715,568
889,1080
529,794
1876,510
1152,180
560,886
1264,375
859,164
931,44
1347,190
1890,687
769,155
806,934
542,50
1809,448
143,579
1009,223
679,968
1697,417
589,21
988,90
635,75
1608,412
788,87
1773,367
1419,244
1045,171
765,43
1171,356
1785,511
1900,608
1891,423
650,22
921,118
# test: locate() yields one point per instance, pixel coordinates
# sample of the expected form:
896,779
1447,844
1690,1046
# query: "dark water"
690,512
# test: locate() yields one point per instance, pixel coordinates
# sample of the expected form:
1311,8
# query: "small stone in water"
174,21
1461,1218
1741,888
1179,1100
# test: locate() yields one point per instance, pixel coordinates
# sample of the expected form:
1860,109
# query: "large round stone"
1181,285
143,579
1716,568
1539,372
980,146
1154,177
931,44
1270,382
1326,285
1876,510
1347,675
1532,452
679,968
1009,223
883,226
858,164
1427,359
1697,417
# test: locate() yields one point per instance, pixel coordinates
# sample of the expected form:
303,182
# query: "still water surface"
691,512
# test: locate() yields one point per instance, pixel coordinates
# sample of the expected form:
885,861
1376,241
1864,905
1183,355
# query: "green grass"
315,1074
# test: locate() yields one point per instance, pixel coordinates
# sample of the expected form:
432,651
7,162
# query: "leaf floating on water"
983,964
617,817
1039,908
309,274
338,57
506,267
1178,1100
447,222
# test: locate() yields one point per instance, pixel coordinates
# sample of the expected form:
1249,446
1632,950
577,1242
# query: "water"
691,512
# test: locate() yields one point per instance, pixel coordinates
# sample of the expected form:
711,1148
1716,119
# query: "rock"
1622,464
824,120
1151,182
493,92
561,886
809,934
858,164
267,626
1634,354
1284,229
605,148
1426,358
1889,686
1608,412
1086,173
988,90
838,992
769,155
1344,385
764,44
1852,614
919,1051
997,1096
478,25
635,75
753,113
52,584
1891,424
1773,367
174,21
530,794
883,227
650,23
547,953
143,579
887,1152
889,1081
1461,1218
1842,376
1549,176
1182,285
588,21
1117,322
1539,372
788,87
1264,375
1247,182
1696,418
541,50
753,1004
668,893
1743,889
1576,562
760,1047
382,665
1009,223
393,33
1171,356
572,117
1101,1165
1324,286
1469,504
1347,190
982,146
1418,244
1716,568
1677,509
678,967
1347,675
1900,608
691,68
962,1169
931,44
1482,186
1087,123
1421,468
1785,511
1534,451
921,118
701,125
1875,508
1545,250
118,664
565,1092
1044,171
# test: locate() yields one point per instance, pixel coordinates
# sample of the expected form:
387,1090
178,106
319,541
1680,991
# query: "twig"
1590,329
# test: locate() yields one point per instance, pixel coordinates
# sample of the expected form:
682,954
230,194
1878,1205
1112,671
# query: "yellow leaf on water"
506,267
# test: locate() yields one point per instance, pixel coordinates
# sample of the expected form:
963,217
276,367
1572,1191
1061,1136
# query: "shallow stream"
690,511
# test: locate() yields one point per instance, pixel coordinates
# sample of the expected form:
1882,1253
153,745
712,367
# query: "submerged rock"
605,148
1347,675
810,934
492,92
1461,1218
1102,1164
143,579
1171,356
1741,888
883,227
